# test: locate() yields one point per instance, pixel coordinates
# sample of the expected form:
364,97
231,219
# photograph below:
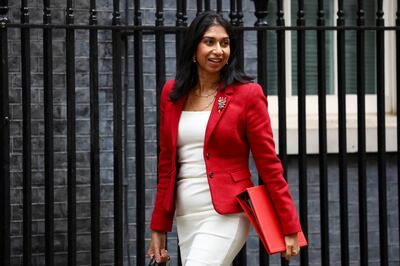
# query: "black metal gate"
120,33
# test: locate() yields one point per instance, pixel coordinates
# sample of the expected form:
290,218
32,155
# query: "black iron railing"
120,33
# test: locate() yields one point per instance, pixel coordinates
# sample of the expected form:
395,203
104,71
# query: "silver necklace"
208,105
207,95
204,108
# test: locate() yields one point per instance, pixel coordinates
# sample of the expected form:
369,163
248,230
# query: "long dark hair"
186,75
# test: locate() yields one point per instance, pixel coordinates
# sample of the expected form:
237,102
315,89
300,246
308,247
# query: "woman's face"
213,51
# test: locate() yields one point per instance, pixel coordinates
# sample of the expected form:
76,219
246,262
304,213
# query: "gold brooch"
221,103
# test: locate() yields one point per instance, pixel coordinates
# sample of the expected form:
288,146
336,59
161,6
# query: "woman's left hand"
292,246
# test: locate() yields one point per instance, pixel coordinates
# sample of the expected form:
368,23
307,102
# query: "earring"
194,59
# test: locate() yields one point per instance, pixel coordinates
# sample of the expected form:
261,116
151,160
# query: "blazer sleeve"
162,219
260,137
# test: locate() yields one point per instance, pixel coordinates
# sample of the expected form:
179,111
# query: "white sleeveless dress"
205,237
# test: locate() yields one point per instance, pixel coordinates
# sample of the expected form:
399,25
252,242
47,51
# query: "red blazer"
234,129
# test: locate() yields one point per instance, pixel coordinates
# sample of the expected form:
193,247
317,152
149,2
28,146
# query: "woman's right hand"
157,247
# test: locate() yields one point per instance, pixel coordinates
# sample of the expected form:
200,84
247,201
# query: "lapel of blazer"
218,111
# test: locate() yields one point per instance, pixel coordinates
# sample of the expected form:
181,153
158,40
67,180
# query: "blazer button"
207,156
211,174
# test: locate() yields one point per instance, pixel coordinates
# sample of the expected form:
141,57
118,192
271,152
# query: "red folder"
258,207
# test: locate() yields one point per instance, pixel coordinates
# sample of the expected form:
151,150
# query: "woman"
212,116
